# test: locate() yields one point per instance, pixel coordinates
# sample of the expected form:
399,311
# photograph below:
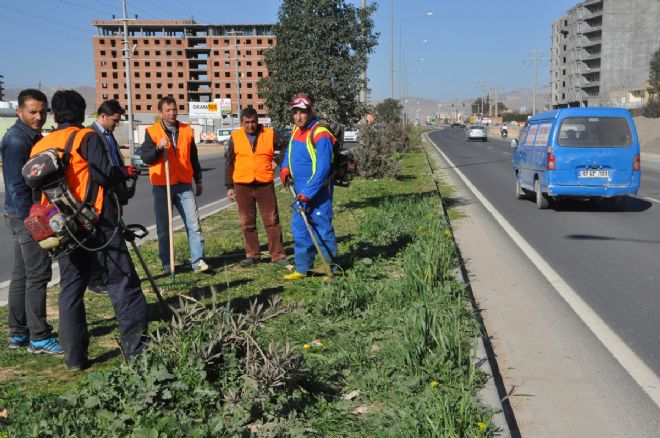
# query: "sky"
451,49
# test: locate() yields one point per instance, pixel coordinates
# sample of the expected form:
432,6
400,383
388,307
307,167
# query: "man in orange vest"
89,163
249,178
178,140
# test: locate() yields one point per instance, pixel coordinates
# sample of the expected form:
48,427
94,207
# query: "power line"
44,29
42,48
33,15
70,3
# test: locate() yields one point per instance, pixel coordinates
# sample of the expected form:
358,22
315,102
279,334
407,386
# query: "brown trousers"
248,197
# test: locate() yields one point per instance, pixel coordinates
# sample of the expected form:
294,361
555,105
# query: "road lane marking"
645,377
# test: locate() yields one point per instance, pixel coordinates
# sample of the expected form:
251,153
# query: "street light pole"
392,52
129,94
236,34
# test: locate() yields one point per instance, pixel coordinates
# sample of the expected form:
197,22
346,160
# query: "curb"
493,393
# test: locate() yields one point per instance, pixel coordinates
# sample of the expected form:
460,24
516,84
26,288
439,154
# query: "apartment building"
192,62
2,87
601,50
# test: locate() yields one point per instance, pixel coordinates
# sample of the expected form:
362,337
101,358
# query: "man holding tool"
170,151
308,163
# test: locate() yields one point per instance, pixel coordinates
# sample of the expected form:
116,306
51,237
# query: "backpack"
344,165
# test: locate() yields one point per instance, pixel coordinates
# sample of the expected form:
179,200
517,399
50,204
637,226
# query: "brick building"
192,62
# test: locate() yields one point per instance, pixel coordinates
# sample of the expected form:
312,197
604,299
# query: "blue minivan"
583,153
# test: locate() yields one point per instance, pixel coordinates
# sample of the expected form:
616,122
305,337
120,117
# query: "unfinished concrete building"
601,50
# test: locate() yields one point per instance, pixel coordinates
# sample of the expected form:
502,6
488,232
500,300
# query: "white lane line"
490,147
648,198
645,377
506,153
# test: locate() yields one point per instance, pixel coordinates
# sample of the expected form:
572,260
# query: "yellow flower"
306,346
447,232
434,384
482,426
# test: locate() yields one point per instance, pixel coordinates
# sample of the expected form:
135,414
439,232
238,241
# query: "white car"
224,134
476,132
351,136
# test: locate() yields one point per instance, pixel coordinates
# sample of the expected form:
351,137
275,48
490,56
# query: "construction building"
190,61
601,50
2,88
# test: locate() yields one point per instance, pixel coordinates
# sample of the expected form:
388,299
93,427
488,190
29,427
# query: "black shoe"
81,366
246,263
97,288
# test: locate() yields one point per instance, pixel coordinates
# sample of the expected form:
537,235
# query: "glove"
302,198
285,176
131,172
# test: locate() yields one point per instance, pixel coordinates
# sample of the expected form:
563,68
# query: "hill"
88,93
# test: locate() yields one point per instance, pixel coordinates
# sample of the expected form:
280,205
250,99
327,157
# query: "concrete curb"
494,393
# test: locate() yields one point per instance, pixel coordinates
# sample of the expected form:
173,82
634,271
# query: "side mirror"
514,143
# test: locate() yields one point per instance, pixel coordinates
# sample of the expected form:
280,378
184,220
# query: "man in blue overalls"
308,161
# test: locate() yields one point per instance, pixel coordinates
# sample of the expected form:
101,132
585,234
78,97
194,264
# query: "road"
610,259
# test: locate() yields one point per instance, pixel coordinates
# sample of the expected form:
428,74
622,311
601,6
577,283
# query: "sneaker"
246,263
201,266
16,342
294,276
282,262
47,346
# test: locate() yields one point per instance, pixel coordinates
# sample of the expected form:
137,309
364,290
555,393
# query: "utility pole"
535,58
236,34
363,75
392,52
129,94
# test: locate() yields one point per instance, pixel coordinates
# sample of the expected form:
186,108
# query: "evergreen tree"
389,111
322,47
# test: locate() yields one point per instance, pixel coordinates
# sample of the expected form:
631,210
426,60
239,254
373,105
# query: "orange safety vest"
181,170
251,166
77,172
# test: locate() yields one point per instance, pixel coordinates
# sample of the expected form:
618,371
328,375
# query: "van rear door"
594,151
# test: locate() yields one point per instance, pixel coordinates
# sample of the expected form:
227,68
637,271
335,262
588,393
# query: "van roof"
581,112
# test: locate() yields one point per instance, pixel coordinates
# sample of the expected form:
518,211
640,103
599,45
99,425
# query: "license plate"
594,174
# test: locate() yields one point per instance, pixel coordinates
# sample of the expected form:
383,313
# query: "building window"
169,64
181,106
216,74
138,96
114,75
168,42
226,84
179,52
227,74
159,74
226,52
115,96
215,41
102,41
136,64
217,85
145,41
228,96
259,41
249,85
147,74
160,96
157,52
158,64
104,85
249,96
180,85
249,63
102,52
180,74
261,106
148,85
146,53
249,74
149,107
226,42
114,54
248,52
169,85
147,64
136,74
138,107
260,74
216,64
137,85
169,74
159,85
104,95
216,52
148,96
179,64
181,96
270,41
157,42
104,74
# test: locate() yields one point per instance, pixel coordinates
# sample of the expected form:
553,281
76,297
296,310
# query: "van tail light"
636,163
552,163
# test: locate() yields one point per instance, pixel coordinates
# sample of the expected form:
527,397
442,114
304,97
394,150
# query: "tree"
389,111
477,106
322,47
652,107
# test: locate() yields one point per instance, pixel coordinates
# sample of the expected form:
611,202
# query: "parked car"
476,132
136,161
223,134
456,125
583,153
351,136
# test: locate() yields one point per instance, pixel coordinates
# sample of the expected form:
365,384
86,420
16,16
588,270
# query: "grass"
396,333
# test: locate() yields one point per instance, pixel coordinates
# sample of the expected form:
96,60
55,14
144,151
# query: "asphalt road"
611,259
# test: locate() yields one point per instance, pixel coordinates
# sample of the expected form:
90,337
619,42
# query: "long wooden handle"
170,227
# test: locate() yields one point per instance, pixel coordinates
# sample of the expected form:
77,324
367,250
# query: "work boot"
248,262
294,276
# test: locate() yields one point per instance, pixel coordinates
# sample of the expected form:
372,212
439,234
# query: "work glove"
132,172
285,176
302,198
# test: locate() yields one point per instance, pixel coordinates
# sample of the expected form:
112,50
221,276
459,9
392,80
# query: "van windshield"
595,132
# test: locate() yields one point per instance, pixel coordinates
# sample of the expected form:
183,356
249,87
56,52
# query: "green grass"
396,327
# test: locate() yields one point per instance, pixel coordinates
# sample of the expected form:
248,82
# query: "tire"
520,194
541,200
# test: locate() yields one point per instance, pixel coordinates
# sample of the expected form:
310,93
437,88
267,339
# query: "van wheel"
520,194
542,201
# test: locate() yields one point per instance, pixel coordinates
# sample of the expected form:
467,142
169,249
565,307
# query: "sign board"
264,121
204,110
225,105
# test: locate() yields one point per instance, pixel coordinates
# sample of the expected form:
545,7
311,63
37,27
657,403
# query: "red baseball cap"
302,102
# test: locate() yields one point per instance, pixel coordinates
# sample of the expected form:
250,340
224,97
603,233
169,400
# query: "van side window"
543,134
531,135
523,134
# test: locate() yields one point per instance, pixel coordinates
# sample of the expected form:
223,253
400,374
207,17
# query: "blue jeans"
183,198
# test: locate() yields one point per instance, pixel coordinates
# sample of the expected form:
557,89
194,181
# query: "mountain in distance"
516,100
87,92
